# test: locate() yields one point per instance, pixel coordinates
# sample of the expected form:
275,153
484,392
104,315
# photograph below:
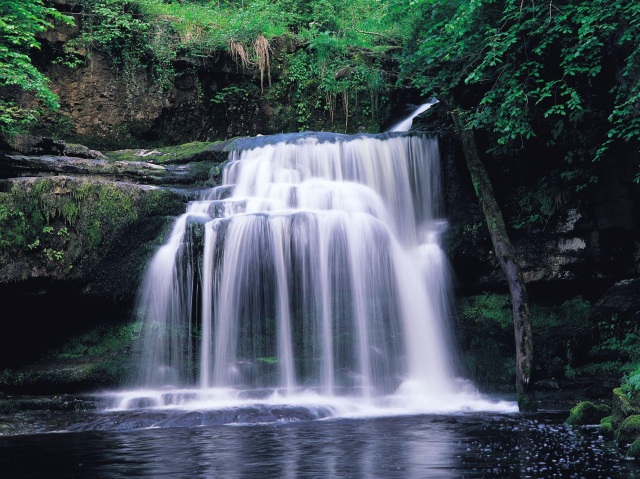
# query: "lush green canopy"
20,21
522,69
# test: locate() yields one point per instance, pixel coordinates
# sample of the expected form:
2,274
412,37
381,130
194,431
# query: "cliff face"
105,106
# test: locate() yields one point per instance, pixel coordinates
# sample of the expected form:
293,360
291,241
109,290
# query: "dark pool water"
454,446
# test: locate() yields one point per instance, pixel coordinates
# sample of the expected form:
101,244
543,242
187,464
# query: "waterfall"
316,266
406,123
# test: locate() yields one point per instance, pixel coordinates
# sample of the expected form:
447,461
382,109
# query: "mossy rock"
178,154
634,450
73,229
623,407
629,430
586,412
605,426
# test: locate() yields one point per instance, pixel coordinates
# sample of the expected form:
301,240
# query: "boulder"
622,299
634,450
629,430
586,412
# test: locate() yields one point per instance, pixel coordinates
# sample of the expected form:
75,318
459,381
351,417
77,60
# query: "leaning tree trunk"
510,266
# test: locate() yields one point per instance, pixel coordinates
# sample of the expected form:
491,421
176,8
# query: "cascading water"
314,270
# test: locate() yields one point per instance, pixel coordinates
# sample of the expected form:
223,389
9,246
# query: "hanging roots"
345,104
331,105
261,48
261,57
239,54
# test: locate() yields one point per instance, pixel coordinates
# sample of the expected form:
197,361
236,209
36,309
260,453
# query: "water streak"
406,123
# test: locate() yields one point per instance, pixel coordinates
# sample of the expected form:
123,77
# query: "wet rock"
634,450
622,407
628,431
81,229
586,412
605,426
12,166
81,151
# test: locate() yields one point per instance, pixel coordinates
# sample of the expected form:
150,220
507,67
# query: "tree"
529,74
20,21
506,256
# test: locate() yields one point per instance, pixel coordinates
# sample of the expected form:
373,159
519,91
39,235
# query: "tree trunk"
510,266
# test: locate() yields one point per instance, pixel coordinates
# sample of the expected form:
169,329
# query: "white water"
319,281
405,124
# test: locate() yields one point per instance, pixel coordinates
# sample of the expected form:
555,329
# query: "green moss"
629,430
64,227
195,151
99,357
634,450
631,383
586,412
605,426
11,378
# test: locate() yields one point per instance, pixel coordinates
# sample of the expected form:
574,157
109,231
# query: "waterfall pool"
461,445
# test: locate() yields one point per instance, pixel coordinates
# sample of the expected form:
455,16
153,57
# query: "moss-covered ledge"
622,407
90,231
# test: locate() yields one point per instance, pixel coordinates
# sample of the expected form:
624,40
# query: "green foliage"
620,335
20,21
100,341
490,309
334,61
487,309
631,383
523,69
535,206
13,224
487,345
325,79
634,450
11,378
